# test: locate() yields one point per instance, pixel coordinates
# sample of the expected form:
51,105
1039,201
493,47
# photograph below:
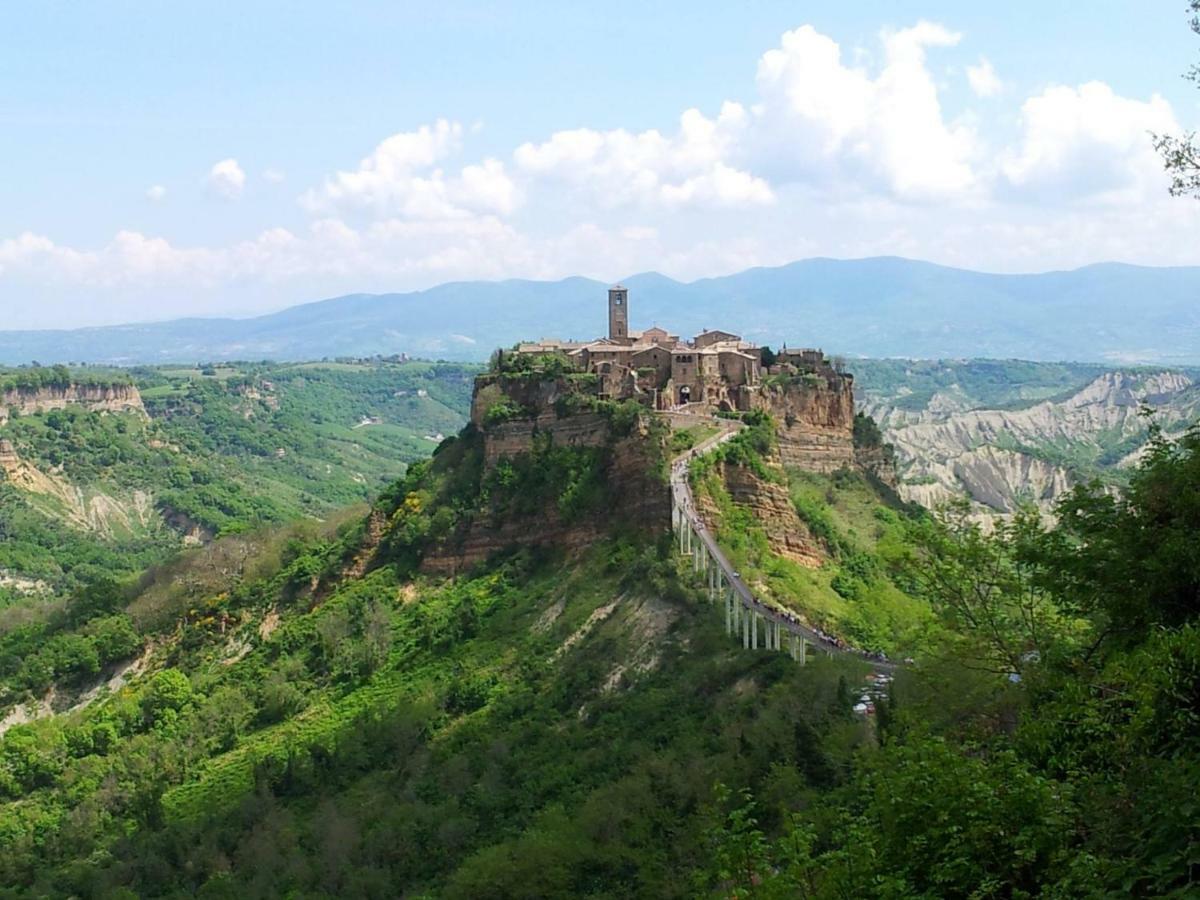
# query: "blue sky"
232,158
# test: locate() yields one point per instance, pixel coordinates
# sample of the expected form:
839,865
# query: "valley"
115,469
1008,433
669,451
498,675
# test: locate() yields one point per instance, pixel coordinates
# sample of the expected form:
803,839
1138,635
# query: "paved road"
681,491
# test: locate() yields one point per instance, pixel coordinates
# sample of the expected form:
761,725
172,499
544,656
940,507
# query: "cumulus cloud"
1087,141
821,119
402,176
155,192
649,168
983,79
227,179
274,176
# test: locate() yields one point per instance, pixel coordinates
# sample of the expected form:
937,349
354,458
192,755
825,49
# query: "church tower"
618,313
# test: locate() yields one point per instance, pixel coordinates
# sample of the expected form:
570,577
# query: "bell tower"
618,313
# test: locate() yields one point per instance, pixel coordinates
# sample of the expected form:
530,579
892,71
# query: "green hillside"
856,527
218,451
304,712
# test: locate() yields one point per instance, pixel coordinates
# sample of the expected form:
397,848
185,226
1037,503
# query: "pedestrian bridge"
761,626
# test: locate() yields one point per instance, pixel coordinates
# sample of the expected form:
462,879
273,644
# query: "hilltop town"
715,369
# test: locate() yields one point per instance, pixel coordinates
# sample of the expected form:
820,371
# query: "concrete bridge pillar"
728,613
745,633
803,652
754,630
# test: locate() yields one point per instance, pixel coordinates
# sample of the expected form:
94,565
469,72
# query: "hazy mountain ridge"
882,306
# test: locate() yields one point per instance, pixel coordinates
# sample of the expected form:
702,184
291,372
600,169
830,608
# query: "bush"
169,690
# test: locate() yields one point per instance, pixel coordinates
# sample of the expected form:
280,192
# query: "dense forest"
299,711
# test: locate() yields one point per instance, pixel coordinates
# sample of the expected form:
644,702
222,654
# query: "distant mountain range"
878,307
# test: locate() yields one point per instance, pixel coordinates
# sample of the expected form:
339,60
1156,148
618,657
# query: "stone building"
659,368
715,368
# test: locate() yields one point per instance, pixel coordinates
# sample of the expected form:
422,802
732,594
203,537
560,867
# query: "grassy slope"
523,714
575,714
854,593
210,453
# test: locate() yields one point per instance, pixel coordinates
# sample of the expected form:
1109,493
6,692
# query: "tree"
987,586
1181,153
1131,561
168,690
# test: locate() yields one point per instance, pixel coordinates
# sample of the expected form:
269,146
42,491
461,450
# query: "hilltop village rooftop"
715,368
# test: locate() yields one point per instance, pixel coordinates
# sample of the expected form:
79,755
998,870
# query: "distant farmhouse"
715,368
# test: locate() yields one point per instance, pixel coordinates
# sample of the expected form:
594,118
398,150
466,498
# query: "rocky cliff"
815,416
772,508
98,397
554,412
1001,458
636,496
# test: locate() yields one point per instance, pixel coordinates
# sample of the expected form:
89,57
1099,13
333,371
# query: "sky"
234,158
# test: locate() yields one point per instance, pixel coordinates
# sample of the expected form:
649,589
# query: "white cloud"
1088,142
983,79
618,167
821,120
155,193
274,176
402,177
227,179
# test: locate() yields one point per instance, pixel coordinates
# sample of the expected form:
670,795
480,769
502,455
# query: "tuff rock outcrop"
97,397
815,416
772,508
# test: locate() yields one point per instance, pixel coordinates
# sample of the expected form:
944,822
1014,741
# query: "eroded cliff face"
513,438
815,417
88,510
637,492
637,496
772,508
100,398
1003,458
1000,480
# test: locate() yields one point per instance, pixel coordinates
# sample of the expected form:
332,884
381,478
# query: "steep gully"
742,609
